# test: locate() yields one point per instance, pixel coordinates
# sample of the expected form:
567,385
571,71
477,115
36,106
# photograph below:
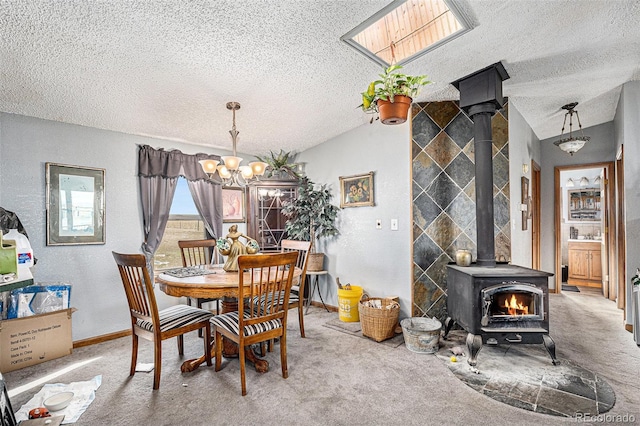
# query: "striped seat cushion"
177,316
259,301
230,321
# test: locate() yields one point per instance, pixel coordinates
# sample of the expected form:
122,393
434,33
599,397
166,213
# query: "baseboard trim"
629,327
100,339
320,305
118,334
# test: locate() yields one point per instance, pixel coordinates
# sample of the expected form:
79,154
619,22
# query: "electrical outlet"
394,224
378,224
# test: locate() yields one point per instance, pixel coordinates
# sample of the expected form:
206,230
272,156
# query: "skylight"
407,29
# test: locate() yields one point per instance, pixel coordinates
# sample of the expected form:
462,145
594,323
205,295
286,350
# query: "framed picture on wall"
233,205
75,205
356,191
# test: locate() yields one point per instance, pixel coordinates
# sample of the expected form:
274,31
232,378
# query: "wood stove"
494,303
500,305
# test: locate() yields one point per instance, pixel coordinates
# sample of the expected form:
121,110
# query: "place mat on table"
190,271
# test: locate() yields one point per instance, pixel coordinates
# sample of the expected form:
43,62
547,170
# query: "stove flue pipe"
480,98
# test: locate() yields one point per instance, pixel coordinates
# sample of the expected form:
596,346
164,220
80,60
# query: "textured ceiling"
167,68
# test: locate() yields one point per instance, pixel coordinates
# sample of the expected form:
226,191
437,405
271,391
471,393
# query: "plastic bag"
39,299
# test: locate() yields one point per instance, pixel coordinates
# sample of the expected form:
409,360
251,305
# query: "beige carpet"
335,378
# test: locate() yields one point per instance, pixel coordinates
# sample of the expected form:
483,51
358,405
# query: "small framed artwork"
233,205
75,205
356,191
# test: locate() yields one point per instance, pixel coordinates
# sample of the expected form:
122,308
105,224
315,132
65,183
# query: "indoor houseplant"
311,216
391,96
281,165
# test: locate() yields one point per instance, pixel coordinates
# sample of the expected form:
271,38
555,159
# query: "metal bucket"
421,335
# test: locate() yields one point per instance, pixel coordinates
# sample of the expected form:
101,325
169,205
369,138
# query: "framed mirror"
75,205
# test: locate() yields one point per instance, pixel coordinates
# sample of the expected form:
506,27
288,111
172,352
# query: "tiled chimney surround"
443,186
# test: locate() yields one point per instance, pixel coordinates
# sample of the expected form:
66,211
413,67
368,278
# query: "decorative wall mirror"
75,205
584,205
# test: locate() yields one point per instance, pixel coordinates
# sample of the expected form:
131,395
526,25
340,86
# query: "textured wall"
27,144
377,259
599,149
627,129
443,196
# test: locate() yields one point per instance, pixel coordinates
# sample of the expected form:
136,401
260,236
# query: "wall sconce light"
570,183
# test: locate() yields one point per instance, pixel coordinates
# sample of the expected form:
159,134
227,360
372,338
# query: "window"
412,27
185,223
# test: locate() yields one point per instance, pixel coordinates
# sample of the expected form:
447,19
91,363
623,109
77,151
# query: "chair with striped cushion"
199,253
296,299
150,323
267,277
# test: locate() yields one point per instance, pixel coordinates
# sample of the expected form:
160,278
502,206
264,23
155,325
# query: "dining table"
214,283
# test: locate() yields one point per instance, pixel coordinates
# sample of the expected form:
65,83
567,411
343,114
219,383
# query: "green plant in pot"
310,217
391,96
280,165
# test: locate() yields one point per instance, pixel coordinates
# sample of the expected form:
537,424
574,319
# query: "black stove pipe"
483,152
480,97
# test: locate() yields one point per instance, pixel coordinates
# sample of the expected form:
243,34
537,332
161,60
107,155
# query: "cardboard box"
35,339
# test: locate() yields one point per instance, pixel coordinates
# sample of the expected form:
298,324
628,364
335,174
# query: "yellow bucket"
348,304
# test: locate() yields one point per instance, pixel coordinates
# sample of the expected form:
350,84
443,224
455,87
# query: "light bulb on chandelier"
231,172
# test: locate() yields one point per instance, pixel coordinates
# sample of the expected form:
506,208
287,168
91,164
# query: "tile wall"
443,194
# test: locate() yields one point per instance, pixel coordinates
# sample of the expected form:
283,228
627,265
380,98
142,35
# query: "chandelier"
231,172
571,144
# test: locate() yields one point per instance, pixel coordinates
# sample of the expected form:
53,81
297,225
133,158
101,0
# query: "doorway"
621,248
585,249
535,215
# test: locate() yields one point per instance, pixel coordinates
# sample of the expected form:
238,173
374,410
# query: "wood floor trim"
629,327
100,339
118,334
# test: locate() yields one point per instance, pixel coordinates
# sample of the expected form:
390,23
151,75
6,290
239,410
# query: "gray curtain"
158,172
207,197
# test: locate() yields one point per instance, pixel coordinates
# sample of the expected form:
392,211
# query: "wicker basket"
379,324
315,262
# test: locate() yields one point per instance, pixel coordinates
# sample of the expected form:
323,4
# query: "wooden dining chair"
199,253
268,279
150,323
296,299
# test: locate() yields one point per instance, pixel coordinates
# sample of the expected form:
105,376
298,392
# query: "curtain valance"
173,163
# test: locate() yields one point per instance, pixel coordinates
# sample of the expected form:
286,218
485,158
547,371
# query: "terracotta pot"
394,112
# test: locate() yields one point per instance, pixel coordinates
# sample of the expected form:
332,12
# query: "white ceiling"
167,68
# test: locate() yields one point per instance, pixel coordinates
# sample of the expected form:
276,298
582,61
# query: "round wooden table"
219,284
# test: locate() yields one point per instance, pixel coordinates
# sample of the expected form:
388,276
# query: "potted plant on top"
391,96
281,165
311,216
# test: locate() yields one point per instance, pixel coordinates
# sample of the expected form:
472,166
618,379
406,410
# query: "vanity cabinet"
585,264
265,221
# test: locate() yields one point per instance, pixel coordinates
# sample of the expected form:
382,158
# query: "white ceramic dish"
58,401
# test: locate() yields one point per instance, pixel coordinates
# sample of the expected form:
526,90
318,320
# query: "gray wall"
600,148
27,144
627,126
378,260
524,146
